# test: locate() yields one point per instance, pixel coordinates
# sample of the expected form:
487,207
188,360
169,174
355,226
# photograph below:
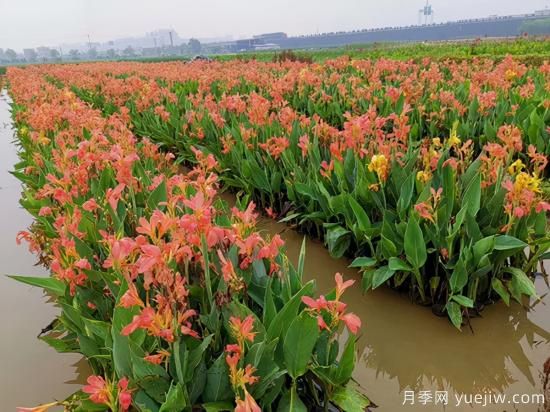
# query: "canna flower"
113,195
158,358
240,378
341,286
248,405
304,145
242,329
39,408
99,390
454,140
124,395
326,168
329,314
379,164
45,211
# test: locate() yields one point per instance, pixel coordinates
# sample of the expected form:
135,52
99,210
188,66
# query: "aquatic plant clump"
177,302
432,175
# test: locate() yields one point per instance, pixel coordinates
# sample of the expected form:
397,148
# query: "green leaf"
362,218
499,288
381,275
521,284
407,190
157,196
218,406
415,247
472,195
49,284
346,363
362,262
175,400
397,264
284,317
455,314
349,399
299,343
459,278
218,387
291,402
302,259
338,241
505,242
463,301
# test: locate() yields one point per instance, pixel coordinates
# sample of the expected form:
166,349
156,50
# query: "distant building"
43,53
267,46
271,37
30,55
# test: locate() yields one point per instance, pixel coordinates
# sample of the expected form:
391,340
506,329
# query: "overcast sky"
31,23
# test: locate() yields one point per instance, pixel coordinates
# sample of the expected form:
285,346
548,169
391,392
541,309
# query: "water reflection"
406,347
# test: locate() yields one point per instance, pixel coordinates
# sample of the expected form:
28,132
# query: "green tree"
195,46
11,55
74,54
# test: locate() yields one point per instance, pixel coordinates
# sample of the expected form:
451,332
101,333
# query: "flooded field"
31,372
403,347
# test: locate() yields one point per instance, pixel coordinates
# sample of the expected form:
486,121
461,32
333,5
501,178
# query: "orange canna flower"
39,408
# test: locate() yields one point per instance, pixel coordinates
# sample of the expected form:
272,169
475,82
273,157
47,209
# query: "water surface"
405,347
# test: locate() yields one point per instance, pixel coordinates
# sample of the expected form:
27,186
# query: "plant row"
176,302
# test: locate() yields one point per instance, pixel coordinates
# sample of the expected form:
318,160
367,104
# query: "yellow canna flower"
379,165
516,167
454,140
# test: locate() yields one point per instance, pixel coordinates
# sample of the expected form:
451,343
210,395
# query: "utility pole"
171,40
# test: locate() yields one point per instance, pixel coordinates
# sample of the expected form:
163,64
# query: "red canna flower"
98,390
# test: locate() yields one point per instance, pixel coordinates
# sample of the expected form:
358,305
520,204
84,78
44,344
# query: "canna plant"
177,302
430,174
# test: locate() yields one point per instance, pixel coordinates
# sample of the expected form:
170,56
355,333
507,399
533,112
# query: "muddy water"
406,348
30,371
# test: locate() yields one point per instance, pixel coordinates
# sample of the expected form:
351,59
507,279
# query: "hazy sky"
31,23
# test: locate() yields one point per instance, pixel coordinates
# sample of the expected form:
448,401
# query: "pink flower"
45,211
124,395
341,286
98,390
352,322
113,195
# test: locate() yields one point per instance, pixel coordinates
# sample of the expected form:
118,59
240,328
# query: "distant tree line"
51,55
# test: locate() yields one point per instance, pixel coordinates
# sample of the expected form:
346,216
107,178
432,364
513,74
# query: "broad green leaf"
455,314
299,343
338,241
291,402
397,264
218,387
349,399
362,218
472,195
415,247
346,363
459,278
175,400
499,288
505,242
381,275
51,285
218,406
463,301
362,262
